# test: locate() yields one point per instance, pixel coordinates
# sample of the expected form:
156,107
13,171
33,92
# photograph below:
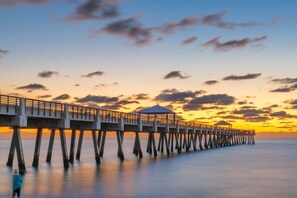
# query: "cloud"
216,19
275,21
141,96
249,112
242,102
245,77
274,106
95,9
62,97
257,119
105,85
215,99
130,28
170,27
210,82
44,96
293,103
189,40
233,117
173,95
283,89
219,46
176,74
284,80
96,73
97,99
11,3
47,74
33,87
119,104
3,52
282,114
15,94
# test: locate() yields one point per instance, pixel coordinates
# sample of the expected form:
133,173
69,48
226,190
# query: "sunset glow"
206,61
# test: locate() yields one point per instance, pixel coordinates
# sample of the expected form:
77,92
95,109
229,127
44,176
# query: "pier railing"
40,108
12,105
110,116
82,113
9,104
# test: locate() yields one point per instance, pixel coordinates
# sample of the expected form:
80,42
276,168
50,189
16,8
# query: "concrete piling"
50,146
35,162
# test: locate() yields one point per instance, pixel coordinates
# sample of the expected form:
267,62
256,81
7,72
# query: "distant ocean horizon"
266,169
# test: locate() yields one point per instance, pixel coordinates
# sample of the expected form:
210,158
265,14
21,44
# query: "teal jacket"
17,182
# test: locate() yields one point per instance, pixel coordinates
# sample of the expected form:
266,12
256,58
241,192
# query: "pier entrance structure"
163,118
223,123
173,133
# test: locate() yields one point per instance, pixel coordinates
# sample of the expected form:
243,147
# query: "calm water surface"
267,169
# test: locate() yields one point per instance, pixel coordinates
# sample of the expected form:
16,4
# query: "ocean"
267,169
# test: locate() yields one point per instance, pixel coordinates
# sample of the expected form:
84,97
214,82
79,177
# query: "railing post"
167,124
97,122
155,126
65,122
177,127
121,122
21,118
139,122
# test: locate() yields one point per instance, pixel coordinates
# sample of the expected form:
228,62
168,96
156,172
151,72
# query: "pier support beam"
180,137
35,162
80,140
99,140
64,148
171,140
166,144
102,144
149,144
16,144
11,151
210,144
185,143
137,146
176,142
50,146
120,150
200,136
151,147
160,141
95,143
205,140
19,149
154,144
72,146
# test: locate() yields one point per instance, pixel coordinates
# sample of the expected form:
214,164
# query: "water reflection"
228,172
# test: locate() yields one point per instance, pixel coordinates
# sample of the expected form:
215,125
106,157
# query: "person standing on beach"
17,182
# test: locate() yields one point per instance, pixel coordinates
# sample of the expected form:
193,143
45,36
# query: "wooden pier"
174,135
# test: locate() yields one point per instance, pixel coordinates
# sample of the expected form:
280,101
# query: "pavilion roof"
157,109
222,122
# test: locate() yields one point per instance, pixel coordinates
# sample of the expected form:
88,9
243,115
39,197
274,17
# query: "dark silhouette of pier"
174,134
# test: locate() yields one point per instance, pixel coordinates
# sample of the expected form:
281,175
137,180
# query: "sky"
207,60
